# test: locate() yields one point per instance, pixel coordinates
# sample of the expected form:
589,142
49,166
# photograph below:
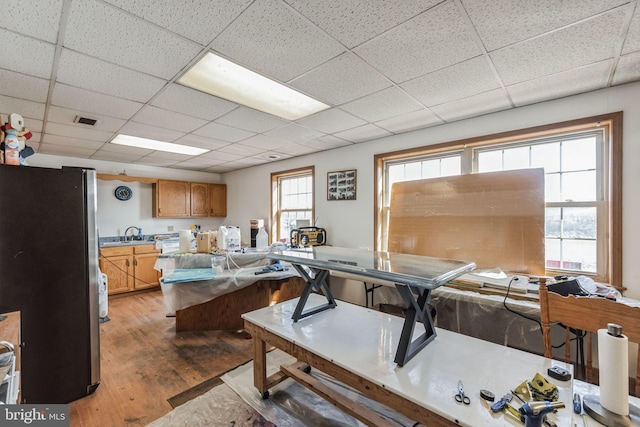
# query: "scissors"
461,397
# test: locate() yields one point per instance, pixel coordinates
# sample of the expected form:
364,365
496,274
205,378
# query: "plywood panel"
493,219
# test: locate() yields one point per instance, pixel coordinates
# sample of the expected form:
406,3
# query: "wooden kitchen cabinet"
199,199
129,268
172,199
184,199
144,259
218,199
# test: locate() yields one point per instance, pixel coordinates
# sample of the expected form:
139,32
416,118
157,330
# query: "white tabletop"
364,342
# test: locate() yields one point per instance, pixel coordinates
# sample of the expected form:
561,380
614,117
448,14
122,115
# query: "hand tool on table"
534,412
461,397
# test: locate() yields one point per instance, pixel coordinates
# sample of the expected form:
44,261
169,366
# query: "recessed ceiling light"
273,156
220,77
152,144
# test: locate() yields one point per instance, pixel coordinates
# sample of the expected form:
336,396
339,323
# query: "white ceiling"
384,67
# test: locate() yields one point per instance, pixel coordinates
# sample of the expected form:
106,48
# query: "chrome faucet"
127,230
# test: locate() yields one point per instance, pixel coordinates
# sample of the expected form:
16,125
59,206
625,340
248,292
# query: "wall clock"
123,192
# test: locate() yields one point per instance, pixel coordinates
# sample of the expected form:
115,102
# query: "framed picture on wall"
341,185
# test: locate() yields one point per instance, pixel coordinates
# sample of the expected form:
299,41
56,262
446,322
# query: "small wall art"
341,185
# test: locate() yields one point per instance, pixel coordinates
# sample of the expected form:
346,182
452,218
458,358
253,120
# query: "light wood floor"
144,362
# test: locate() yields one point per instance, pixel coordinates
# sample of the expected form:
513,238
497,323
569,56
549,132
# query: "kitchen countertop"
127,243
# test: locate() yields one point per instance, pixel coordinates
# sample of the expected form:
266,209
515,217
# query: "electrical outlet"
170,228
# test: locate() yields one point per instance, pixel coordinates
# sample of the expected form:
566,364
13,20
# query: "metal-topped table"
414,276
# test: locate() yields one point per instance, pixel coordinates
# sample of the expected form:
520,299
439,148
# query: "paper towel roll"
185,241
613,364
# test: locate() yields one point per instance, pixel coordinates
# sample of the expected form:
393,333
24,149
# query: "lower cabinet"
130,268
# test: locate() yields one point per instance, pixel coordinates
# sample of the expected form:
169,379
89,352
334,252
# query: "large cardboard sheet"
493,219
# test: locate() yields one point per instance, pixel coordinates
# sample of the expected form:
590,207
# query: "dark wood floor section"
144,362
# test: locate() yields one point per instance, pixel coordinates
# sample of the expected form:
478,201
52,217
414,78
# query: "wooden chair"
586,314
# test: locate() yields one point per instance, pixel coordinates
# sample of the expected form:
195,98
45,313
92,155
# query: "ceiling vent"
86,121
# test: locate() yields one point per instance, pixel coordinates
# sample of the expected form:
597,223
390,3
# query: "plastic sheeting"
240,269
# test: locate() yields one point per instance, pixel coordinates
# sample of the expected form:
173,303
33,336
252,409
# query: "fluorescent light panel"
220,77
152,144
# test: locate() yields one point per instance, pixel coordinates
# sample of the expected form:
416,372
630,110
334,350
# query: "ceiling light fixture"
221,77
152,144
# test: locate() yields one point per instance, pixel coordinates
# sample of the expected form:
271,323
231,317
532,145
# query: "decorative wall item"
341,185
123,192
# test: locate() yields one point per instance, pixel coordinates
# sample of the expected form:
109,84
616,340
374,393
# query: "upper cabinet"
172,199
218,199
183,199
199,199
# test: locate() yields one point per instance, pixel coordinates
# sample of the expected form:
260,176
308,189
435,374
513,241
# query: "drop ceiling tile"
264,142
39,60
151,132
327,142
251,120
356,21
192,164
66,116
503,22
223,132
410,121
65,150
457,81
34,126
434,39
152,161
332,120
23,86
211,158
111,156
383,105
26,109
35,18
72,142
628,69
93,102
113,35
201,142
174,157
363,133
476,105
93,74
632,42
340,80
271,38
584,79
220,168
294,133
221,156
575,46
75,131
296,150
249,161
167,119
199,20
242,150
192,102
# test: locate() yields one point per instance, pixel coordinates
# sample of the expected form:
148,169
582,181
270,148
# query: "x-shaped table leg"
417,300
313,284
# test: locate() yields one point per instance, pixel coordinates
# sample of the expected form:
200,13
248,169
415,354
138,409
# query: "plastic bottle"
262,240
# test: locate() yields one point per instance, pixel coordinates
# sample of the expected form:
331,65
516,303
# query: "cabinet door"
199,199
172,199
218,199
145,275
119,271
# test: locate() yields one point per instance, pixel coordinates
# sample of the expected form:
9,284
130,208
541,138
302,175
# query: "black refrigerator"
49,272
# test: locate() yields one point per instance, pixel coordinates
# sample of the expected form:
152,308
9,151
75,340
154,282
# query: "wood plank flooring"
144,362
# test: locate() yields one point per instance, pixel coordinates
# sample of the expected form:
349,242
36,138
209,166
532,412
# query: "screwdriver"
577,403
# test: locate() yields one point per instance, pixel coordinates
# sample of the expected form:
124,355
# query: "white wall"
114,216
350,223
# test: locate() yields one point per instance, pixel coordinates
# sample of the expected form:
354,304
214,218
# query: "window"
582,163
292,200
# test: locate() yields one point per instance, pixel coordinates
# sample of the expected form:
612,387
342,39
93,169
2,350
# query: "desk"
355,345
414,277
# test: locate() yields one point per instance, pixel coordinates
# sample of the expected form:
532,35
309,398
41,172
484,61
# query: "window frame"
612,123
276,196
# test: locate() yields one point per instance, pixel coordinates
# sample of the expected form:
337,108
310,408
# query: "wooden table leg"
260,367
